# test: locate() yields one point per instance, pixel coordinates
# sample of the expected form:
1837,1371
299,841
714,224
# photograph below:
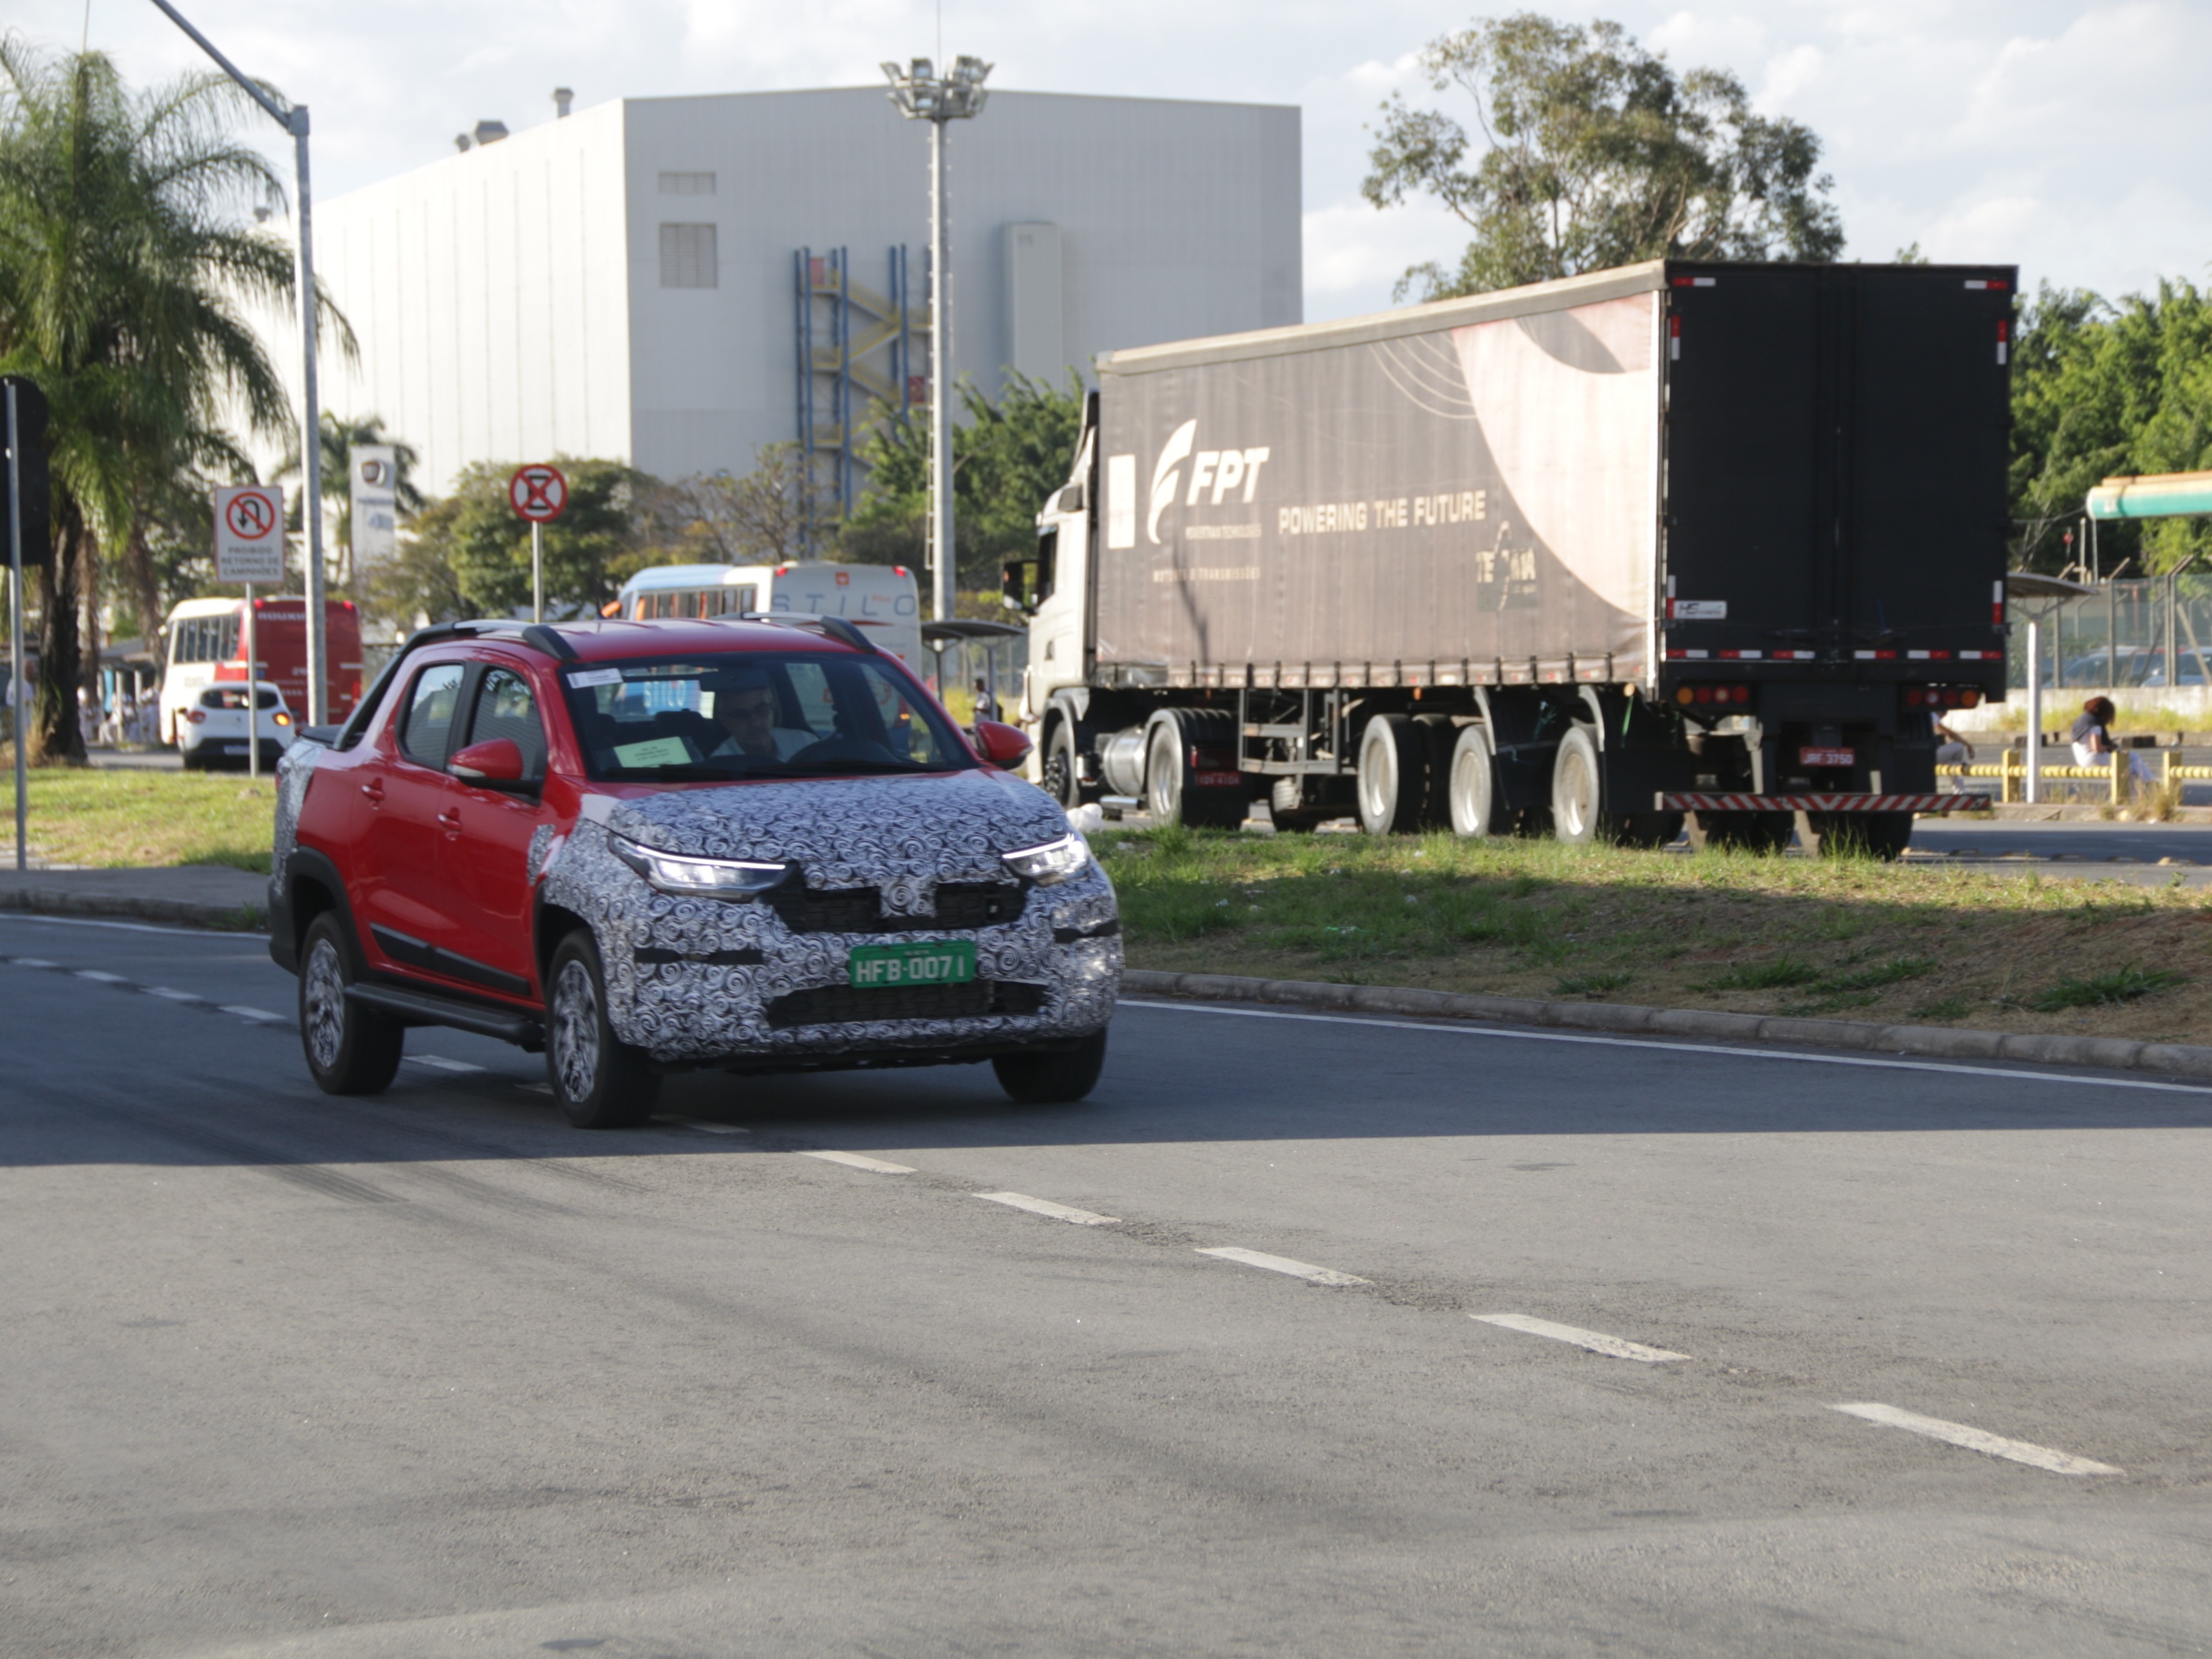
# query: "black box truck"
1678,542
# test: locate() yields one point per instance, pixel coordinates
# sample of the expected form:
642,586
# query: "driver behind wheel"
745,707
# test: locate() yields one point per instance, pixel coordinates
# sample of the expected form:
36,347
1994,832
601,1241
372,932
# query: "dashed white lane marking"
859,1161
690,1122
537,1088
1283,1264
2074,1079
105,979
1996,1445
1613,1347
441,1063
168,995
33,962
244,1013
1045,1207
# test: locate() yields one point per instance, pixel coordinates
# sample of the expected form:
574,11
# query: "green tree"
1007,457
1594,152
2100,390
714,519
470,555
340,435
125,257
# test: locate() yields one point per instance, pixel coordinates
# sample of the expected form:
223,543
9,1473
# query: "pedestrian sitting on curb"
1954,751
2092,740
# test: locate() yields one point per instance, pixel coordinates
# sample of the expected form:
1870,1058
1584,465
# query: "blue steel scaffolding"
856,347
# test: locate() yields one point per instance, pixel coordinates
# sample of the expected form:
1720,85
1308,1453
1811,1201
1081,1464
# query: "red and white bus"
206,644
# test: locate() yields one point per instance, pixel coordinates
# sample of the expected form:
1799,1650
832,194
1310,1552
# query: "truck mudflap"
1665,802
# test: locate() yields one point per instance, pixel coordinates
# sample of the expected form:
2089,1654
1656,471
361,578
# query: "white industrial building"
641,280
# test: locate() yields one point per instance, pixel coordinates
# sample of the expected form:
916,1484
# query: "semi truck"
1676,545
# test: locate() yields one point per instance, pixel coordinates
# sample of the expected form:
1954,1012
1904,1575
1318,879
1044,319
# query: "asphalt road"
432,1374
1972,840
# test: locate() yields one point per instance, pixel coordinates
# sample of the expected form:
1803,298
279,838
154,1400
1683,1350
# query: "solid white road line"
1045,1207
2071,1078
859,1161
33,962
441,1063
104,979
1613,1347
1283,1264
1996,1445
244,1013
168,995
120,926
687,1122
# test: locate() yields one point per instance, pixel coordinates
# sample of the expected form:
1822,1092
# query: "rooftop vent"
490,132
562,99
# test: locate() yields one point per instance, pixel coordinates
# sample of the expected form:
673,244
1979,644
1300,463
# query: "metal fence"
2154,632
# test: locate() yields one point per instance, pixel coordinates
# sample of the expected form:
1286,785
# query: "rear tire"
1053,1076
1172,792
598,1081
1471,786
1578,790
1393,775
1740,832
1882,835
350,1049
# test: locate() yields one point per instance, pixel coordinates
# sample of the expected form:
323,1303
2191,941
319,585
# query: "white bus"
881,597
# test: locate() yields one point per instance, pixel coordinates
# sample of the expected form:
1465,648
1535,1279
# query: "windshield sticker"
660,751
584,676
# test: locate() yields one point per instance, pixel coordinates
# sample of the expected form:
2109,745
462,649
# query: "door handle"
374,791
450,821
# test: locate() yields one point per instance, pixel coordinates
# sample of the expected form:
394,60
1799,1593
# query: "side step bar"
428,1008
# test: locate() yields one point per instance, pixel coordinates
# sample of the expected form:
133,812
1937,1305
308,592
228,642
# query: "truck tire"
1062,776
1881,835
1471,786
1438,733
1578,790
1393,775
1172,792
599,1082
351,1049
1740,832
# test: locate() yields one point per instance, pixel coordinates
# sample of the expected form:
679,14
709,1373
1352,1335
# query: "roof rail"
550,642
838,628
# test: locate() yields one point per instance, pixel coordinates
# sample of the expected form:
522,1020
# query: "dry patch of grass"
121,817
1846,939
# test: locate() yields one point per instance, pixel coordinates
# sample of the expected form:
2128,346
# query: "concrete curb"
2168,1060
174,913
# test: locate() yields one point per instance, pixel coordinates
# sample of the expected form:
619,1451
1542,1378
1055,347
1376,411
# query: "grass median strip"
1848,938
126,817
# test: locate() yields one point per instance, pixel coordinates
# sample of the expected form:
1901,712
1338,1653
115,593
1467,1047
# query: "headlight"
1056,860
686,877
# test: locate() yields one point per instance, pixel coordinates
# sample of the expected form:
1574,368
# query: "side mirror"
496,764
1002,746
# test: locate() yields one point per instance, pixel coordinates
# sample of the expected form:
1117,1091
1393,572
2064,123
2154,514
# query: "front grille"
961,905
838,1005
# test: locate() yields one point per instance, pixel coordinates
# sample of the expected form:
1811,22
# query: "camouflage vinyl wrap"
295,770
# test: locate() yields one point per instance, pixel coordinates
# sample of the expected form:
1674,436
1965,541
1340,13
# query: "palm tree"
340,436
126,255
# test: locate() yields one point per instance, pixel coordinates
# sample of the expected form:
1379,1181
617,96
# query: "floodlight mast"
921,94
294,119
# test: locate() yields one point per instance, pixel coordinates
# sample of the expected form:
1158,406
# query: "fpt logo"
1219,470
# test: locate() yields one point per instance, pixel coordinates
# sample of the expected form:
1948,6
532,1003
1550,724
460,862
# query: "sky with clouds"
2067,136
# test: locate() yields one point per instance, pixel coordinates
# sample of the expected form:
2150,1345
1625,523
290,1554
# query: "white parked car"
212,731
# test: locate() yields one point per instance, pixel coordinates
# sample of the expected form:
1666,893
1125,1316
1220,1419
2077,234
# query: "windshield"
754,714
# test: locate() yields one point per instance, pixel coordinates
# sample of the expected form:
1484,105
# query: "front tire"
1053,1076
1062,778
350,1049
598,1081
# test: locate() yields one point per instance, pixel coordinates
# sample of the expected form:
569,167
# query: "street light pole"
921,94
294,119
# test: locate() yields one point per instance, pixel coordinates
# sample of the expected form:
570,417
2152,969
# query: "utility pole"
921,94
294,120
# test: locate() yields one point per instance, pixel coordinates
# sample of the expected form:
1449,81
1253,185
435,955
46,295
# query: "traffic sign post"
249,548
540,494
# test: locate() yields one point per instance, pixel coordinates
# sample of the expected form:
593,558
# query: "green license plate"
888,967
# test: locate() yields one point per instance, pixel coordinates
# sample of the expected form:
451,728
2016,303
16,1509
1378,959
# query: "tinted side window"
507,708
428,728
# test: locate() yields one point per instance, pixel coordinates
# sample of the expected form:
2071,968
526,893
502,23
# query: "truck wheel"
1471,786
1055,1077
1740,832
1393,775
351,1049
1061,774
1578,790
599,1082
1881,835
1647,830
1172,792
